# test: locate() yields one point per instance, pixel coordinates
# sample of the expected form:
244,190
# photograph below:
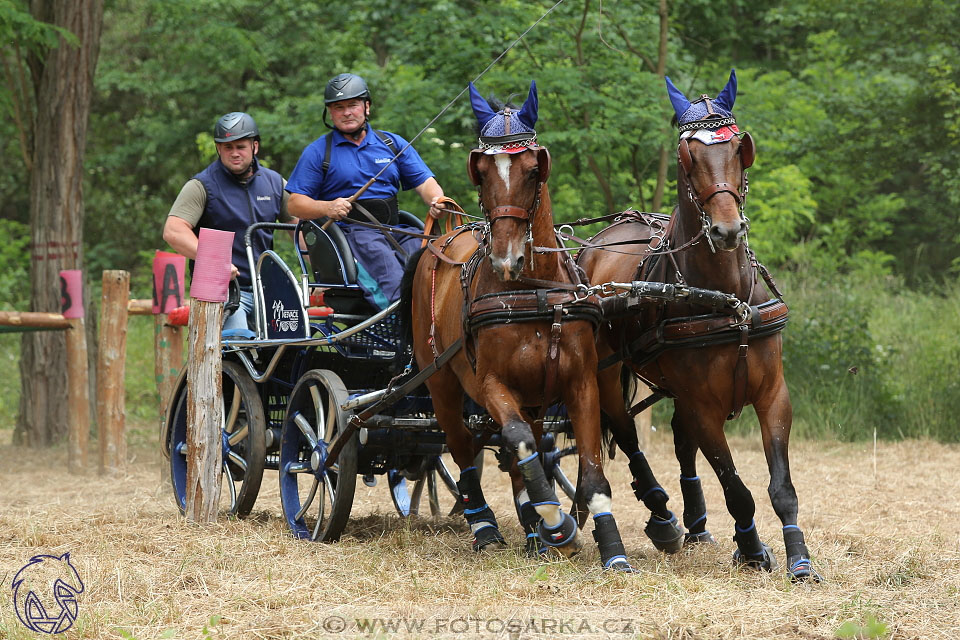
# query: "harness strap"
456,211
740,375
646,403
438,254
552,365
719,187
382,228
697,331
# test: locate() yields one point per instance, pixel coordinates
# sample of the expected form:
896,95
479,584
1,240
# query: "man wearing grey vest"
232,193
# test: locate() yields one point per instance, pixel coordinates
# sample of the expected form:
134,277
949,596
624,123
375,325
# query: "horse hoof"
704,537
573,547
801,570
620,565
765,560
666,535
486,537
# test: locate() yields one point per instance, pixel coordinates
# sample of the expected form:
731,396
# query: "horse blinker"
748,152
472,160
543,163
683,152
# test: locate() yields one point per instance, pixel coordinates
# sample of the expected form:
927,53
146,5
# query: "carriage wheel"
436,485
316,500
243,441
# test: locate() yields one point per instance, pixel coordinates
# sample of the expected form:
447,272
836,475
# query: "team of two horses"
505,299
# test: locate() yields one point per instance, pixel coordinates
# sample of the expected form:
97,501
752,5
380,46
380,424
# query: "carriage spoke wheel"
316,499
435,489
243,441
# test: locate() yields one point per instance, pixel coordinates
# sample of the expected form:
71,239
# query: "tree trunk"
62,86
664,158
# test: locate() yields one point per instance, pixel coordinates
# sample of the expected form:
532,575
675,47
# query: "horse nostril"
519,264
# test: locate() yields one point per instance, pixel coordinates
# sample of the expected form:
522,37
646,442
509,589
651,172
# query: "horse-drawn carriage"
506,333
291,384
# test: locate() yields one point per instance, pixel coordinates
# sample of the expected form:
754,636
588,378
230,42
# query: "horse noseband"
509,211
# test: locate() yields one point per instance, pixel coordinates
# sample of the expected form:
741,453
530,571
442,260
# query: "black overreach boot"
483,524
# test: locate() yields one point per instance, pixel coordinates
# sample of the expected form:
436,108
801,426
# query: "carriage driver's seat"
334,267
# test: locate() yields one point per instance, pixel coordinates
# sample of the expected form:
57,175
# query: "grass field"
881,526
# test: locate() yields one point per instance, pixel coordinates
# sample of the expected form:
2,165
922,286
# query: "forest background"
853,202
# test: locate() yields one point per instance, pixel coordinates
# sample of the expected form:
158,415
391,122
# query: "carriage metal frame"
291,385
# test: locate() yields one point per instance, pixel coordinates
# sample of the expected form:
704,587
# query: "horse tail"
405,311
628,387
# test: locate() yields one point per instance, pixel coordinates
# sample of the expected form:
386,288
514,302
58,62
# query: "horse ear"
729,94
481,109
543,163
472,161
677,99
683,153
748,152
528,112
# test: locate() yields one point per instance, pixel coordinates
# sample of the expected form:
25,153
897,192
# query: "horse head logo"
45,594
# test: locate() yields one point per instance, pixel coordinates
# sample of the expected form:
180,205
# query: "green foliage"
838,372
540,574
870,628
14,265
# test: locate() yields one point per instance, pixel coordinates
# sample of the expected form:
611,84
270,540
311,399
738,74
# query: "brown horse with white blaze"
527,341
712,364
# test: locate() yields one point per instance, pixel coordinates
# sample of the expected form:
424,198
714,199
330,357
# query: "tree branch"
651,67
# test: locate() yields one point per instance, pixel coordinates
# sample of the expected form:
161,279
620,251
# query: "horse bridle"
509,210
747,153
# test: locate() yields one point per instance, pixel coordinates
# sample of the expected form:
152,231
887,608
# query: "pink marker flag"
168,270
211,273
71,293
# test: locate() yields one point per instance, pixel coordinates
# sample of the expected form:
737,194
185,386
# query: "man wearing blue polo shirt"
336,165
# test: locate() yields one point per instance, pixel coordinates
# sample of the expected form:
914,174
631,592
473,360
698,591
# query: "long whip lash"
451,103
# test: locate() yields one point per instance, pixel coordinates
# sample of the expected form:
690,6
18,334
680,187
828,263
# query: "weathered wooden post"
208,291
78,374
168,271
111,366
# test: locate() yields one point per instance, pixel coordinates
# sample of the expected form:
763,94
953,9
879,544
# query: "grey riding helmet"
344,87
235,126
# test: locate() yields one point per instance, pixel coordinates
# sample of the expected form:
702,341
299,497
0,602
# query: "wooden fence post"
110,365
168,272
78,378
208,292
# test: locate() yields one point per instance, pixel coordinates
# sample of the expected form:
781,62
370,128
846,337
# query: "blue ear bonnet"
705,106
507,130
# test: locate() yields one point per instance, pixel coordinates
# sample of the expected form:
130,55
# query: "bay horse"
728,362
503,290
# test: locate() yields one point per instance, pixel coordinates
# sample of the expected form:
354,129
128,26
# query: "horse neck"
727,271
546,265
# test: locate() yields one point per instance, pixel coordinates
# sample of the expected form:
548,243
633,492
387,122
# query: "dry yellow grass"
887,545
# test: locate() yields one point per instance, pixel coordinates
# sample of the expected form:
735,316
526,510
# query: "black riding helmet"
344,87
235,126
